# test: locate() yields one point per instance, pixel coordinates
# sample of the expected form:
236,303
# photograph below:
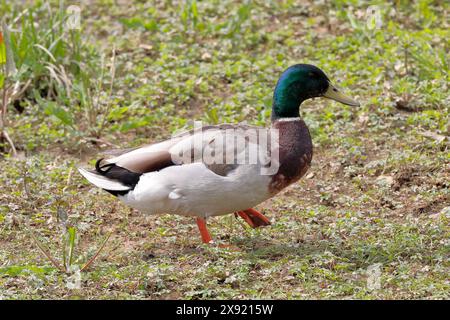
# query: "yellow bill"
335,94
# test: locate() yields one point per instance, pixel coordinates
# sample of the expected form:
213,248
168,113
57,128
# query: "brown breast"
295,153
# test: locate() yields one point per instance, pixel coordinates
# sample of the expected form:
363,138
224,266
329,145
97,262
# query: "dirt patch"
406,176
432,207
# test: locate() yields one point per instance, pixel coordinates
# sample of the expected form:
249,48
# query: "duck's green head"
300,82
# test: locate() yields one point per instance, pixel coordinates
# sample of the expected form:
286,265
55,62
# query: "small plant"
68,236
68,243
234,26
189,14
50,66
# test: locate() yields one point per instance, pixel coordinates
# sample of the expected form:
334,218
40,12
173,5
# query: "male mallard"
160,178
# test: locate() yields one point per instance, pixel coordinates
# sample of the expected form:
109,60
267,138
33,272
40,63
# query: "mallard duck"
207,172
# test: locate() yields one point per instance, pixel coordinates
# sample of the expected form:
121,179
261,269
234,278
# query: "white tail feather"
102,181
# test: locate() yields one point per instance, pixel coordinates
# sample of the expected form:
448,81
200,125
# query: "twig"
69,179
246,229
45,252
18,93
96,254
11,143
25,185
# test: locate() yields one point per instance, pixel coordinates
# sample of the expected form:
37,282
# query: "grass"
377,193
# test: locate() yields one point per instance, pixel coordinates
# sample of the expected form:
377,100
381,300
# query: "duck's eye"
312,74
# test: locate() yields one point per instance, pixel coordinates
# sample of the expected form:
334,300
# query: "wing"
222,148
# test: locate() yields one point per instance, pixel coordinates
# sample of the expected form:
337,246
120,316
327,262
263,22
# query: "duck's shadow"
252,249
274,250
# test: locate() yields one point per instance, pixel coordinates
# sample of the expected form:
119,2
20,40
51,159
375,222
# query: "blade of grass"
64,251
71,243
10,64
46,51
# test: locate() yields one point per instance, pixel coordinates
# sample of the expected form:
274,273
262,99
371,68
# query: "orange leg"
206,237
246,218
254,218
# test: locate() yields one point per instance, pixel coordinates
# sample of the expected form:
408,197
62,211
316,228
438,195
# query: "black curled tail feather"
115,172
